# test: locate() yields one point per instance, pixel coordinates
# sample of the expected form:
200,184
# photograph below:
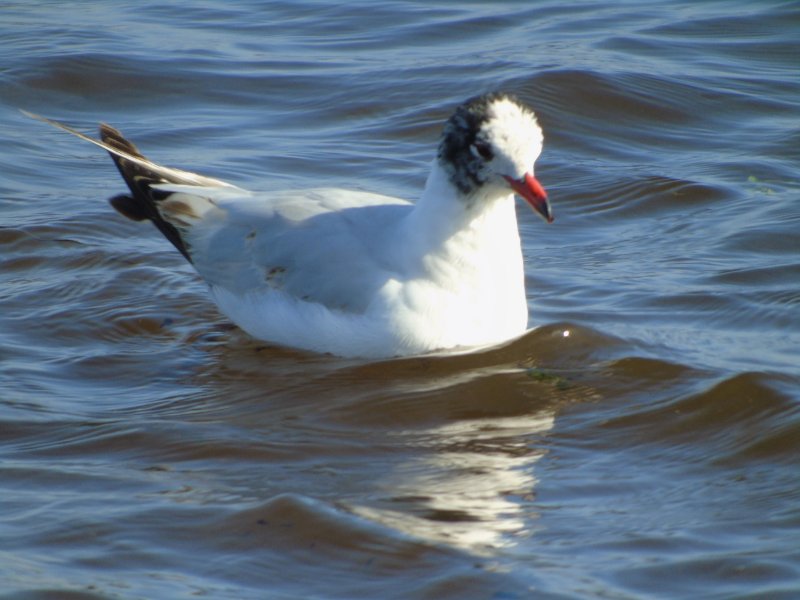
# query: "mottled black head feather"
461,133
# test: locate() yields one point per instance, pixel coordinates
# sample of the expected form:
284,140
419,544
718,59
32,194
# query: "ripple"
743,418
648,427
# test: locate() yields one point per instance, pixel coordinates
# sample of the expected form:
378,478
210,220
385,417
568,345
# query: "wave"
740,419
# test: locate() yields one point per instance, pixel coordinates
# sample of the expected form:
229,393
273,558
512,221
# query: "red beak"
529,188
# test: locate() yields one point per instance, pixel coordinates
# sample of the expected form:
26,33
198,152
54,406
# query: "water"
641,442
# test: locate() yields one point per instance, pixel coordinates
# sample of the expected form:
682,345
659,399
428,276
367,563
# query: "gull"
353,273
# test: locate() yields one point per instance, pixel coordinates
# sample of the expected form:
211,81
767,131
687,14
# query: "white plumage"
354,273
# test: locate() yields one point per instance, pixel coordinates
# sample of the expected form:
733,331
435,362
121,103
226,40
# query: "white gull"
355,273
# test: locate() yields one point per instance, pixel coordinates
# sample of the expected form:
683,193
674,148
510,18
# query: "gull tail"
142,176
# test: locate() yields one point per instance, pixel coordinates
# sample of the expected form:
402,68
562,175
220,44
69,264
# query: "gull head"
488,150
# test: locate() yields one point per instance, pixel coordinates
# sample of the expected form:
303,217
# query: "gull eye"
483,150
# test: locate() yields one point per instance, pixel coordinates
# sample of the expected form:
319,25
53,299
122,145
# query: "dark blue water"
641,442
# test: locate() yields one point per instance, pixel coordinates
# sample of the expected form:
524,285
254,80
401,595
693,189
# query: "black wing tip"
141,204
138,210
137,172
129,207
114,138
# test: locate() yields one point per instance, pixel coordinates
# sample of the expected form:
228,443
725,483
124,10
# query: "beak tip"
532,191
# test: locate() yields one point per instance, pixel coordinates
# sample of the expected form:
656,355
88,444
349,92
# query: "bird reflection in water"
473,490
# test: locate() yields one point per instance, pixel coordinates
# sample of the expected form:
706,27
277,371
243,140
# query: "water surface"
641,441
